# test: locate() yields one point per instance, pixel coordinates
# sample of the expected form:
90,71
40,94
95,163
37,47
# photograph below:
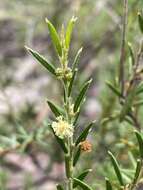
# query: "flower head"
86,146
62,128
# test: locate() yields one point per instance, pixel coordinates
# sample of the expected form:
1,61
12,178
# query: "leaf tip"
90,80
135,131
26,47
74,19
106,179
47,20
129,44
90,170
94,121
139,13
109,152
80,50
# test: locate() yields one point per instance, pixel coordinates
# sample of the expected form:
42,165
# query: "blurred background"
25,86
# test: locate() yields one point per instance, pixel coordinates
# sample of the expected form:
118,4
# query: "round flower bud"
86,146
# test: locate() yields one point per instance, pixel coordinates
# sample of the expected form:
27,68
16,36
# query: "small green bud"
68,74
64,73
59,73
71,111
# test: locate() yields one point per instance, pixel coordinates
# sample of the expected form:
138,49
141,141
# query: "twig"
122,56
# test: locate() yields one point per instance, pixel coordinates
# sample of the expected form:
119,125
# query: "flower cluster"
62,128
64,73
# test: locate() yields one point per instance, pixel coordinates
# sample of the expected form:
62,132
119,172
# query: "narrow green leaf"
42,61
9,141
55,109
81,95
82,176
140,143
71,83
126,178
108,184
140,88
131,53
26,143
129,120
76,118
60,142
21,130
69,31
132,159
76,156
83,185
128,102
76,60
55,38
138,103
140,20
128,173
113,89
138,170
116,168
59,187
84,133
109,119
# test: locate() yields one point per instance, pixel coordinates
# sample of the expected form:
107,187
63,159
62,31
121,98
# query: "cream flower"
62,128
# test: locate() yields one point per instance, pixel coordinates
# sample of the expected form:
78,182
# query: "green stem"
70,181
69,156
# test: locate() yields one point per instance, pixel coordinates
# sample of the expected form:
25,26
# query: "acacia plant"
65,124
127,87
